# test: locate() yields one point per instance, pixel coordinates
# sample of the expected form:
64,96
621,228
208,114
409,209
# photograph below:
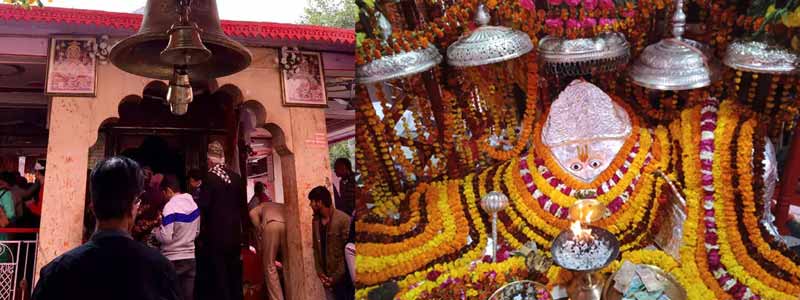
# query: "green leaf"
333,13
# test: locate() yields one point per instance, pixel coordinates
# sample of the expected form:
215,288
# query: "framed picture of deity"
71,66
303,79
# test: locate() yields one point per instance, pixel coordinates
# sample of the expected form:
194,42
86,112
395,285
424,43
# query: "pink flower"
527,4
433,275
628,13
554,2
573,24
607,4
590,23
589,4
606,21
553,23
572,3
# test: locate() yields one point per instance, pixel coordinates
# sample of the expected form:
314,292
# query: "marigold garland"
527,121
733,255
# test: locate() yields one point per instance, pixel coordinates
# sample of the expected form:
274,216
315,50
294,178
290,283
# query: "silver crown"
760,57
574,57
397,65
676,63
488,44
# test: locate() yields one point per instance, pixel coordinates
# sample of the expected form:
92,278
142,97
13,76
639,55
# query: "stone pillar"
74,122
65,179
311,168
300,139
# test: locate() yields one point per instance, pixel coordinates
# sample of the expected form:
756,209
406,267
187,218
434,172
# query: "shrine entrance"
147,132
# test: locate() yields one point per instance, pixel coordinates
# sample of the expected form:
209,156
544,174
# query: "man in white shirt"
180,224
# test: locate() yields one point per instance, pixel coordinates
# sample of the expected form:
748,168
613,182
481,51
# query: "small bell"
185,46
180,93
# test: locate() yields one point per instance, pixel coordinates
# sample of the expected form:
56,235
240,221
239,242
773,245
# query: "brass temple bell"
167,41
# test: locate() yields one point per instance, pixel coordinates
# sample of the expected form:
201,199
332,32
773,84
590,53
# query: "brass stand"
586,286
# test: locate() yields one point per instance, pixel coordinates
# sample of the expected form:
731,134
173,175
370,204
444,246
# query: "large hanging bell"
140,53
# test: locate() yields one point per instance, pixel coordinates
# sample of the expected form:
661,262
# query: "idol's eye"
595,164
576,167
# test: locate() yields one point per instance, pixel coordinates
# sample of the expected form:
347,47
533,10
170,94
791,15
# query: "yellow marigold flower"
770,10
792,20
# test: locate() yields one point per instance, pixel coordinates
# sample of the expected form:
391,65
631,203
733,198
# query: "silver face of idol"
587,160
585,130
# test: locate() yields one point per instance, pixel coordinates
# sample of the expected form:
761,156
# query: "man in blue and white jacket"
180,224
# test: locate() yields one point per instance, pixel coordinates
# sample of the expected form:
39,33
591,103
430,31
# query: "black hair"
116,182
9,178
259,188
345,162
171,181
196,174
321,194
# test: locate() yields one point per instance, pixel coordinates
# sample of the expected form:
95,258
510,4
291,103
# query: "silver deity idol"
585,130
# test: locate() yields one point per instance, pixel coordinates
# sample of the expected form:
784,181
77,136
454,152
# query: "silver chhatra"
675,63
492,203
397,65
488,44
760,57
575,57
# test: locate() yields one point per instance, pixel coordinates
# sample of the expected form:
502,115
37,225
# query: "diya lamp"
584,250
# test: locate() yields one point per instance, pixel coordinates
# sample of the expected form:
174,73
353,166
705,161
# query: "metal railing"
17,262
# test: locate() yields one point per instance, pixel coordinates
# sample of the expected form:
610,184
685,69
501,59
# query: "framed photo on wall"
71,66
304,84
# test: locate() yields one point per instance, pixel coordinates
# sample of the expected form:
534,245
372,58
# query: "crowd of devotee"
155,237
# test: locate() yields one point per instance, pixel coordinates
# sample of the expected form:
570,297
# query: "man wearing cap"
35,206
223,209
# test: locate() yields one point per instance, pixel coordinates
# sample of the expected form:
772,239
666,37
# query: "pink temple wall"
74,124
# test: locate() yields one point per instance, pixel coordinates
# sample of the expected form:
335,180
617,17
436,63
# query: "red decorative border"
129,21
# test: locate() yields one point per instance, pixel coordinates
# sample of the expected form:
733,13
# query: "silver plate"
573,57
398,65
675,64
760,57
522,289
598,234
